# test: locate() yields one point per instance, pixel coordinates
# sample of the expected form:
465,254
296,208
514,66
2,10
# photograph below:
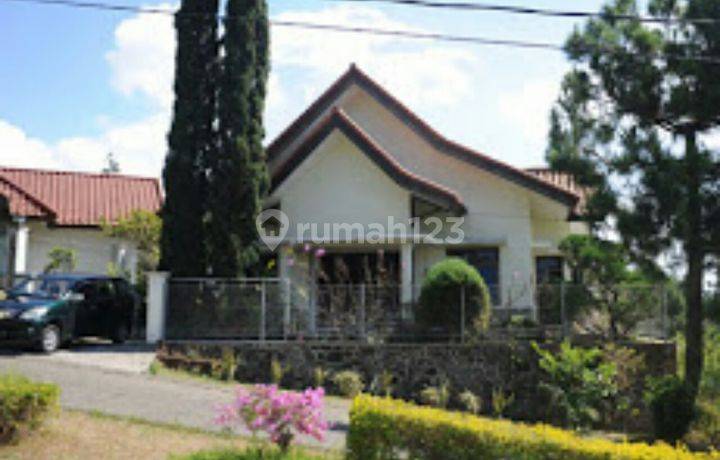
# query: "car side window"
105,289
88,289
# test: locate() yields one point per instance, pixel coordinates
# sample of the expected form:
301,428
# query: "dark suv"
48,311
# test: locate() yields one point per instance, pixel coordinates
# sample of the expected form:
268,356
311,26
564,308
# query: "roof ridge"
434,137
337,114
76,173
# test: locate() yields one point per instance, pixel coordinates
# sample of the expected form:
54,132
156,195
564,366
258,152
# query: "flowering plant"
281,414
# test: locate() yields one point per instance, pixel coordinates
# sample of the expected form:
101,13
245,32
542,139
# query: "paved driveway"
114,380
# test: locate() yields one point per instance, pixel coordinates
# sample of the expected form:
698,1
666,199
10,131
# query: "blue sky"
79,83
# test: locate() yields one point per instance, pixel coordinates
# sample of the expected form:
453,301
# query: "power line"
405,34
471,6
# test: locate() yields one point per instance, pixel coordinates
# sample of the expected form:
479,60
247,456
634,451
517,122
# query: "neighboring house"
358,155
57,208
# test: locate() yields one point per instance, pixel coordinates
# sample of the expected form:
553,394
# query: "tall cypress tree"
237,173
191,139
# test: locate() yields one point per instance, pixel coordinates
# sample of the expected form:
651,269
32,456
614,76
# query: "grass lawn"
80,435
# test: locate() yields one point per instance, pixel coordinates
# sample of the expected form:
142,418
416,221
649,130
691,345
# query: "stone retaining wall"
481,368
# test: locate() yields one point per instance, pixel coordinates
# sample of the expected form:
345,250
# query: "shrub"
672,405
383,384
440,297
319,377
501,401
436,396
577,382
225,368
281,414
348,383
705,430
277,371
470,402
23,404
385,429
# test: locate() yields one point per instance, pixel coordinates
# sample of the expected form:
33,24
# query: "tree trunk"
694,280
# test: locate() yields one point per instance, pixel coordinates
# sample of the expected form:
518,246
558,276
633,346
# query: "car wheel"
121,334
50,338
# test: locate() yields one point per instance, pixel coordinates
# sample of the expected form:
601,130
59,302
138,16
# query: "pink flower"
281,414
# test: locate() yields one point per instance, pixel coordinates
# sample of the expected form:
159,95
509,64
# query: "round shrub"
672,405
348,383
441,293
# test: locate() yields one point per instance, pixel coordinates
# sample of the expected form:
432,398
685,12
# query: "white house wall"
340,184
94,250
499,212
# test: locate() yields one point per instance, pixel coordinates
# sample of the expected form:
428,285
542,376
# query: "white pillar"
406,273
22,237
156,305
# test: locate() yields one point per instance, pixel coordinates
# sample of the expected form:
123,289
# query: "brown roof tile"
77,199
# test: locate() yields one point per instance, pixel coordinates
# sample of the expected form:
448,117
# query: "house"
46,209
357,157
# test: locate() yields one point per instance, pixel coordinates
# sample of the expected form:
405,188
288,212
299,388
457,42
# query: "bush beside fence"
386,429
23,404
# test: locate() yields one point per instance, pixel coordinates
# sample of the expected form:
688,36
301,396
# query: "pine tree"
191,139
628,125
237,173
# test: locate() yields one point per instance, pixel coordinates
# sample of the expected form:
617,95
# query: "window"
487,262
548,269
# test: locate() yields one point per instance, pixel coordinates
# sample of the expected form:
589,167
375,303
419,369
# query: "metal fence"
273,309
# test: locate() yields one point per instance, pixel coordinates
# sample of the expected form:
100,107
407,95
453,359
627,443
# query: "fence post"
156,306
462,314
263,307
361,320
563,312
288,303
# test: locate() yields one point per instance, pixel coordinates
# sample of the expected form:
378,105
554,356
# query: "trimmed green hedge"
23,404
441,293
386,429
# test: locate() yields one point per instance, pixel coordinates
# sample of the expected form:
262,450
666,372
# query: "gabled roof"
338,120
355,76
77,199
565,181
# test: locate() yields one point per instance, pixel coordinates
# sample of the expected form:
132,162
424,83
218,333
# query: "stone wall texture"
510,366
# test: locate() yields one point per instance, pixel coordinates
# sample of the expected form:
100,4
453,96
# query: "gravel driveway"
114,380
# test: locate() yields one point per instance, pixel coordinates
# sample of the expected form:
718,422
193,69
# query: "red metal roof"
77,199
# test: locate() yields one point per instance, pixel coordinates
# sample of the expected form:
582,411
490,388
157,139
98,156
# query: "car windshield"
42,287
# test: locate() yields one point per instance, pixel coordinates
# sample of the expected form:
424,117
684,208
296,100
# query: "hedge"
23,404
385,429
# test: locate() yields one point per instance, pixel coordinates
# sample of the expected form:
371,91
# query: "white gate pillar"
156,306
406,273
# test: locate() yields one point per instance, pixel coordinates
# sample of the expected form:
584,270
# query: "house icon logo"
272,226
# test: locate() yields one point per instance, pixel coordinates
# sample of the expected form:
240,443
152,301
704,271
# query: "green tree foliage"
608,284
143,228
629,125
577,382
238,177
441,296
191,139
61,259
671,402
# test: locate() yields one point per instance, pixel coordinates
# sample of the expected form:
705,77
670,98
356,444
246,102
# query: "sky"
77,84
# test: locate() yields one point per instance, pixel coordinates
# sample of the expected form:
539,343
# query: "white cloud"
527,111
143,58
17,149
424,74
